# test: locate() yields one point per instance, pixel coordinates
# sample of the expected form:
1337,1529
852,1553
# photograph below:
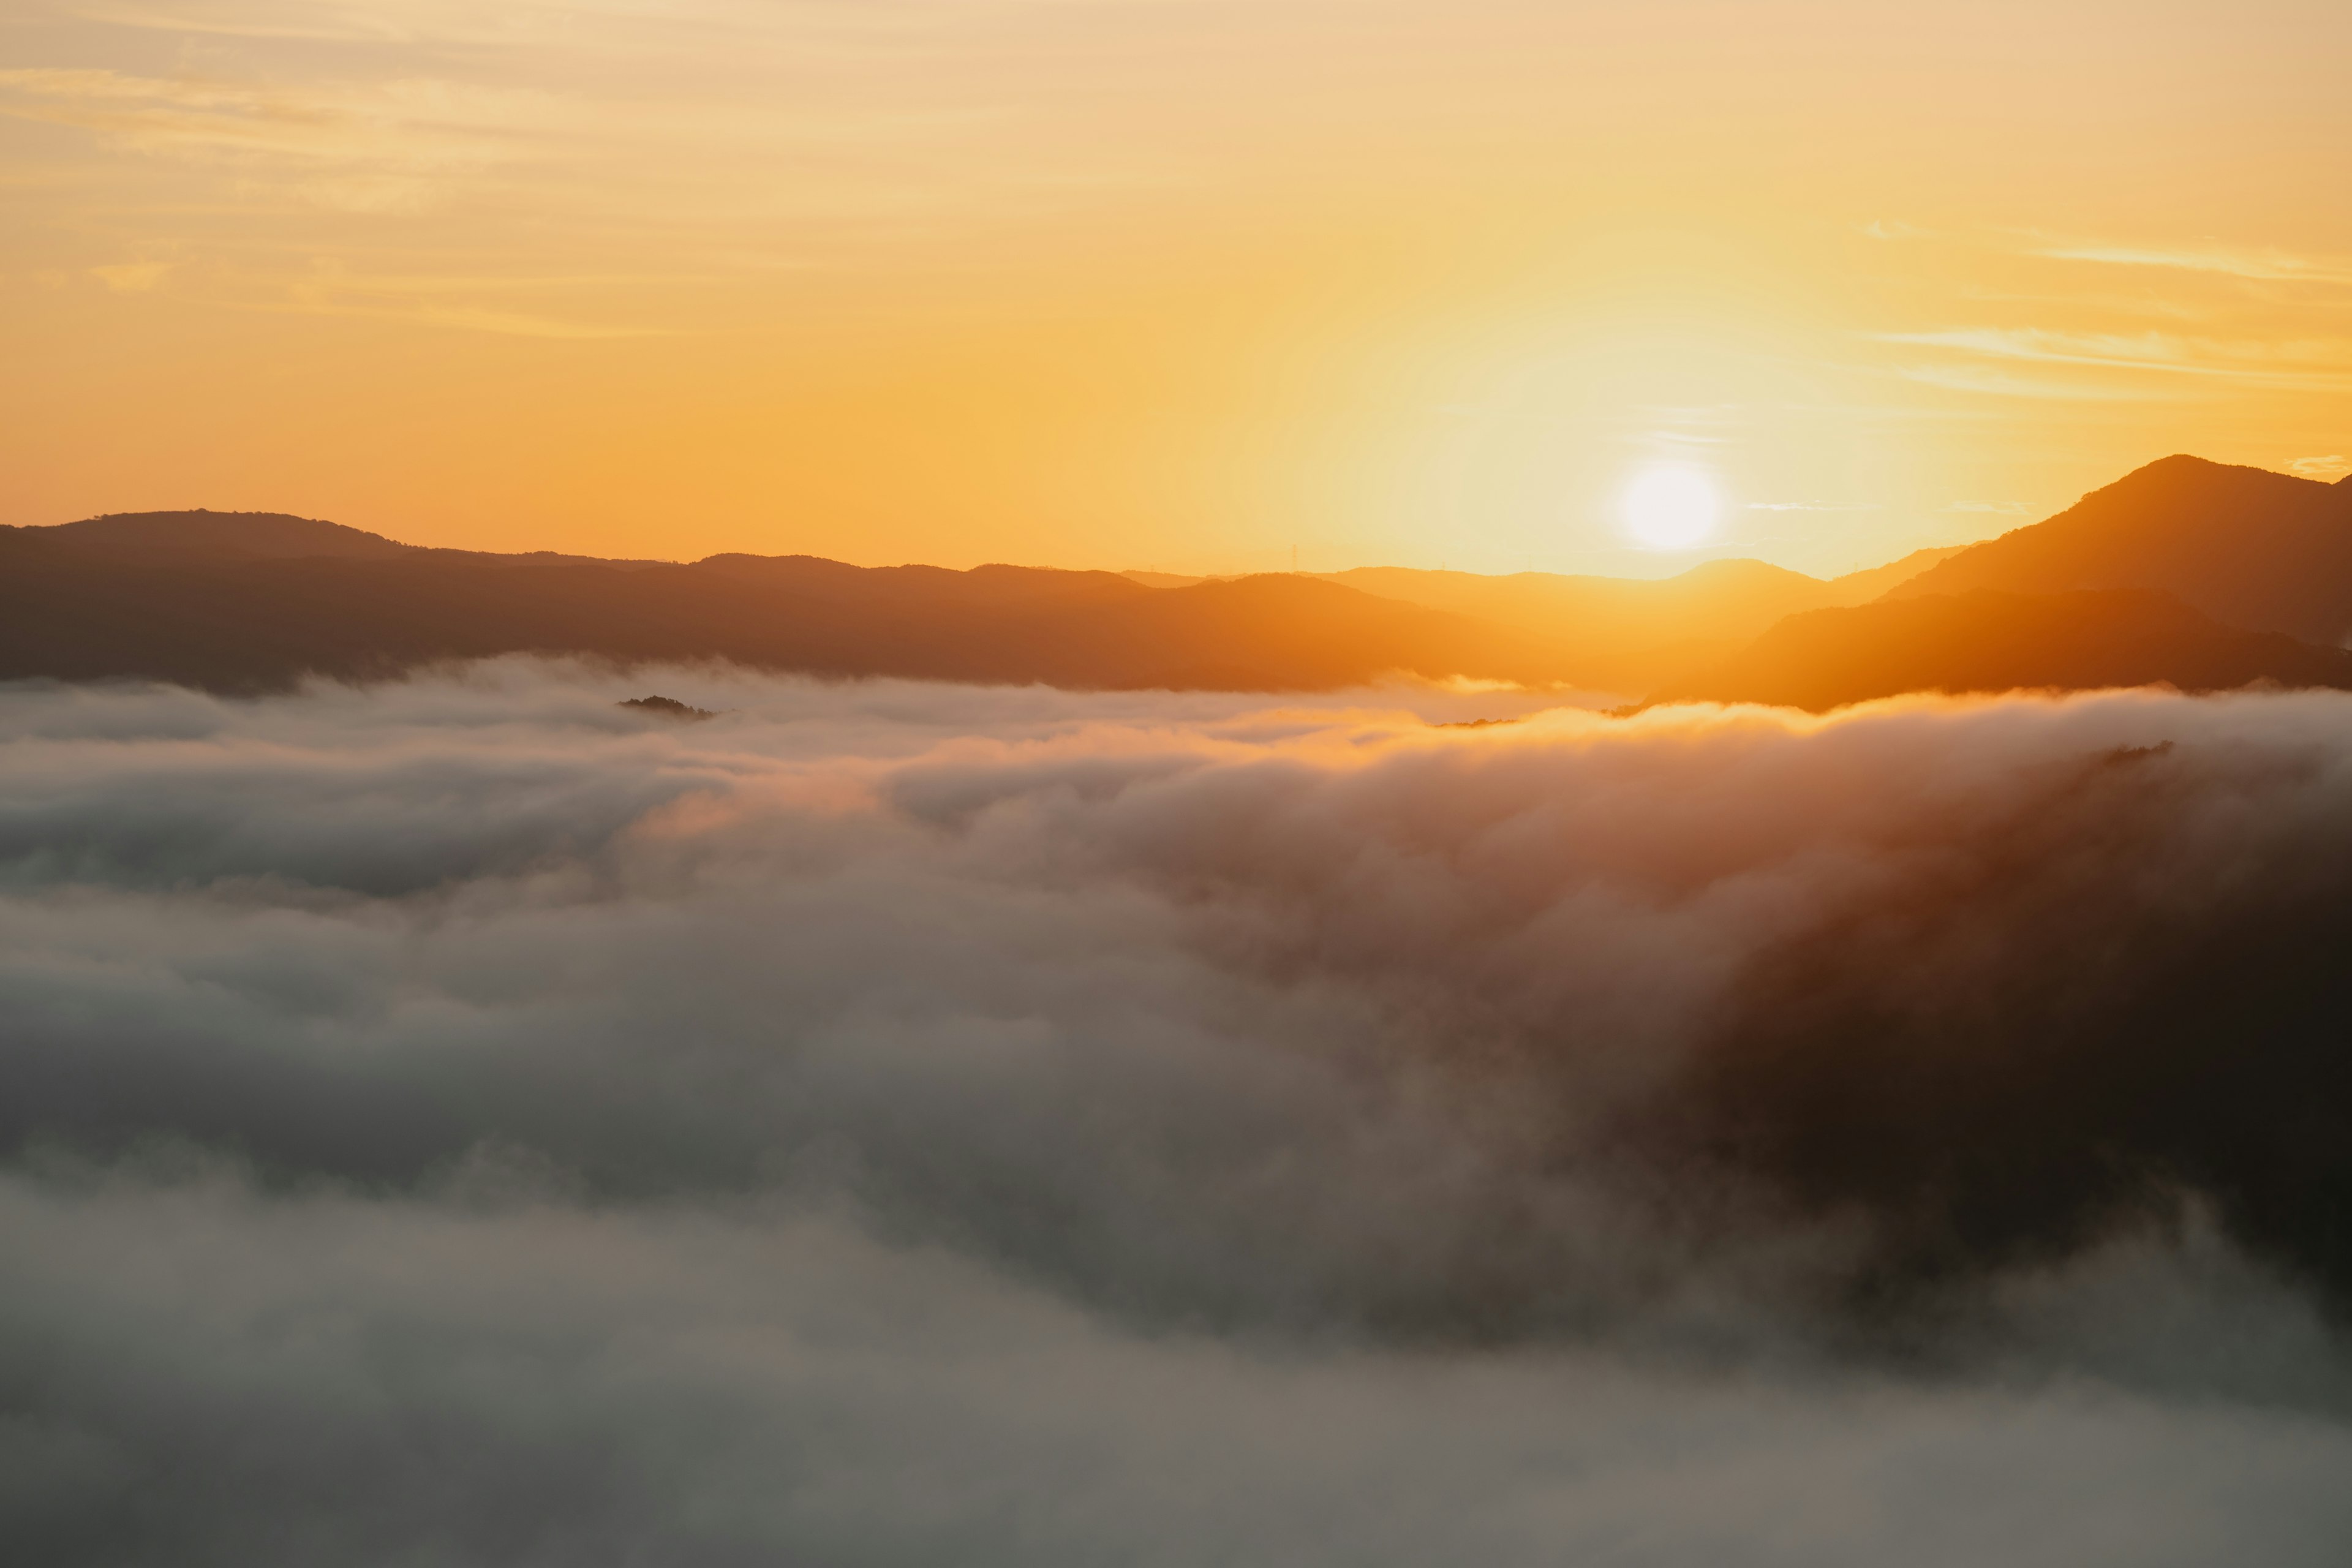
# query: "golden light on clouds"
1107,282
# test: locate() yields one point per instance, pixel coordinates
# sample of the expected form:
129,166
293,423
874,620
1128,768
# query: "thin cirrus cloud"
132,276
2002,384
394,147
418,125
2265,349
440,301
2300,363
371,147
471,318
444,128
2267,266
579,28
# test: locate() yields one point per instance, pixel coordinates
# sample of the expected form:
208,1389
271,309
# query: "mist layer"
465,1120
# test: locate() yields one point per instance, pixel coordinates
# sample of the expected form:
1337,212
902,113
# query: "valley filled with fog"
464,1119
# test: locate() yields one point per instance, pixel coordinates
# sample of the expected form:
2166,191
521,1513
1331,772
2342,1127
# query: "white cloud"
911,1123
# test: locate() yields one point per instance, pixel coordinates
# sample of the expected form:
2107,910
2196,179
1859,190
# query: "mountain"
203,535
229,603
1860,587
268,535
1629,633
1986,641
2190,572
2248,548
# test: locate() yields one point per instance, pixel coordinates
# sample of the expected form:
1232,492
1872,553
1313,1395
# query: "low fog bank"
201,1374
465,1121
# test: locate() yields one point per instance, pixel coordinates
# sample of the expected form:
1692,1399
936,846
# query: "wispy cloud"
396,300
578,26
367,146
2262,266
2304,364
2002,384
2148,350
2333,466
131,276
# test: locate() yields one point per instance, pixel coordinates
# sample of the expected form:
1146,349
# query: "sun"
1670,507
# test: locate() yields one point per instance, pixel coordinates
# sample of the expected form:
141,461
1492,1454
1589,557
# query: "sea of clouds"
464,1121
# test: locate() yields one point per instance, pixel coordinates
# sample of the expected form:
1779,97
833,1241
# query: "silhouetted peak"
1741,570
667,708
2178,463
275,535
2182,471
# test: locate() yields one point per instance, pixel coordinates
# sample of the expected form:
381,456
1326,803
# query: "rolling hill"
1622,633
232,602
1988,641
2250,548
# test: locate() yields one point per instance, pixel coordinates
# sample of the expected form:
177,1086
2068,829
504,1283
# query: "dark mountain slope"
203,535
2253,549
1631,634
1986,641
220,534
236,621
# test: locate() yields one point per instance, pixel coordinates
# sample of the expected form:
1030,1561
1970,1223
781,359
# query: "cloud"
522,1381
888,1122
2284,364
2262,265
407,126
131,276
2144,350
2333,466
2004,508
1974,378
313,299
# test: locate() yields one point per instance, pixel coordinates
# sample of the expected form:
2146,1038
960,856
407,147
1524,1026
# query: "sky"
1180,284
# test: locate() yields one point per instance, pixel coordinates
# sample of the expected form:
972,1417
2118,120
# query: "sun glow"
1669,506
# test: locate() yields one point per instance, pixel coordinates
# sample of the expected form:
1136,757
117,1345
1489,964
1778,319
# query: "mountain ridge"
1986,641
2196,574
2248,547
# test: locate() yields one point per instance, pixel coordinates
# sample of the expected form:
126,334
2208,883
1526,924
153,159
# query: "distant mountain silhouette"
1985,641
2186,572
1860,587
218,534
254,602
1629,633
2250,548
153,536
658,707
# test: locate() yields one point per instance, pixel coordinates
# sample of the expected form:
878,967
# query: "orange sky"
1174,283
